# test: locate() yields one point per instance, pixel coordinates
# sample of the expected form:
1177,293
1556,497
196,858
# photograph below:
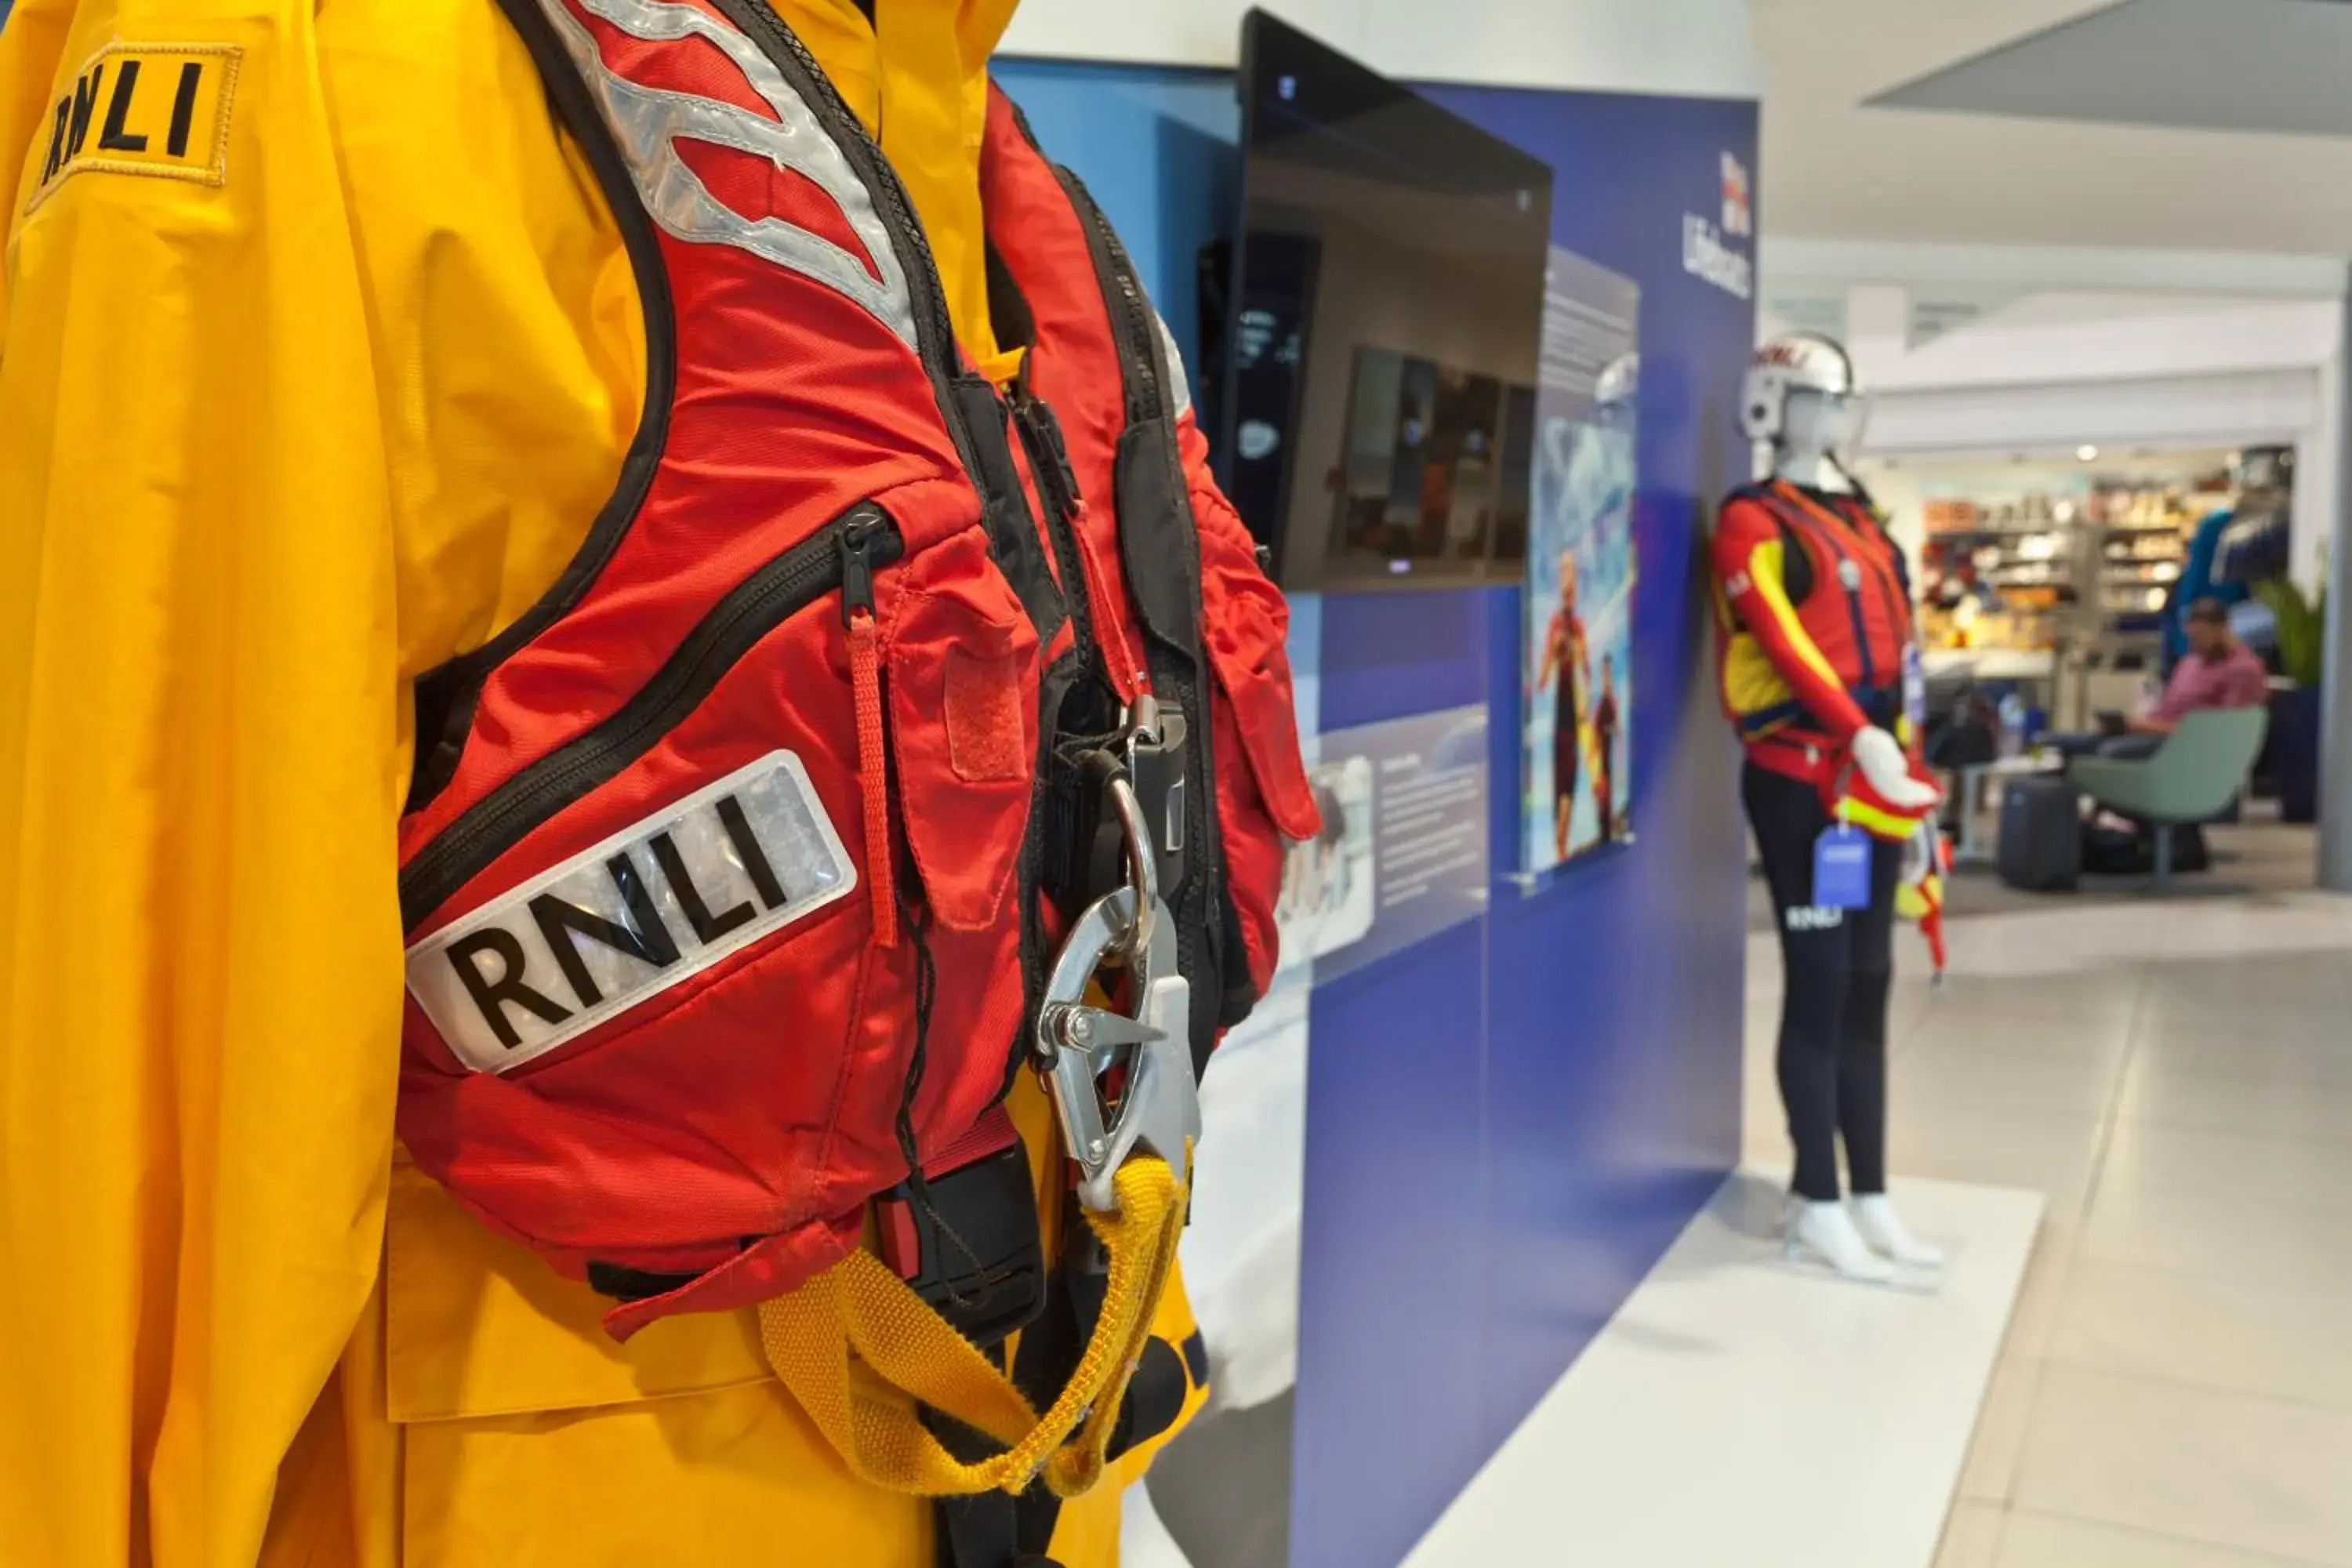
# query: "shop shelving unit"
2068,572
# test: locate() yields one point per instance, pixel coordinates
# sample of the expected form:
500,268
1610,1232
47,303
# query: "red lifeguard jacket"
1814,613
732,869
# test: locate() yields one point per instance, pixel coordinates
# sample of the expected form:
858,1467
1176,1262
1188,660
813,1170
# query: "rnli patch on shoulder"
619,923
158,109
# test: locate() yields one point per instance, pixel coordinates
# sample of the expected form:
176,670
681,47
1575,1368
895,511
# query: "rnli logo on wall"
157,109
1717,253
622,922
1739,205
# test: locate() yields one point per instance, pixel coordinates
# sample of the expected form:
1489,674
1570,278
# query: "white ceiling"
2275,65
1836,167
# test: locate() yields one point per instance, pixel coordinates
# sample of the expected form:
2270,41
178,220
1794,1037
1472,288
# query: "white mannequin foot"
1826,1233
1883,1228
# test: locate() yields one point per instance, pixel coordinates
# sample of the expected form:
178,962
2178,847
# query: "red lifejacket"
1172,593
1842,592
732,869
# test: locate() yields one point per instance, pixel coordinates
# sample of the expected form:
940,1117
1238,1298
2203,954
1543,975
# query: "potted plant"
2302,624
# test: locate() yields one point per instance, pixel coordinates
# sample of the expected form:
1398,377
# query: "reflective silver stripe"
1180,400
643,909
648,121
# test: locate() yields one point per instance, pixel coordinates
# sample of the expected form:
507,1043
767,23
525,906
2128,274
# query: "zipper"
1833,529
934,326
783,587
855,543
1058,489
1891,594
1136,331
1861,620
1880,578
1131,324
935,331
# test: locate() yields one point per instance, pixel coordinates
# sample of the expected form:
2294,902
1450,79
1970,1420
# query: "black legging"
1837,965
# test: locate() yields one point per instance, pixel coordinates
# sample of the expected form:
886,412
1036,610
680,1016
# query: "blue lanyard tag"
1914,689
1841,868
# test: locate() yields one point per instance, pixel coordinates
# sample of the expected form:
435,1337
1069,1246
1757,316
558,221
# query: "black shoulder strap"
1796,561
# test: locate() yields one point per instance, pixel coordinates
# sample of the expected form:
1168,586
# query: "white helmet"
1799,368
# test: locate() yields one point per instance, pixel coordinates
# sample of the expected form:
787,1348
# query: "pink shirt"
2236,680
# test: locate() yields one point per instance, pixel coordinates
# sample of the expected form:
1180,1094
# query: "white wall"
1696,47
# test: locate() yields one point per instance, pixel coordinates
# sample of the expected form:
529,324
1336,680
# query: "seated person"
2219,672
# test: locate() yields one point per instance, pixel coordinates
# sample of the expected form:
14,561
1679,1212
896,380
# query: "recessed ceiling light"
2088,454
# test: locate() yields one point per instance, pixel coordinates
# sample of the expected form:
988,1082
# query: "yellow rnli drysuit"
316,359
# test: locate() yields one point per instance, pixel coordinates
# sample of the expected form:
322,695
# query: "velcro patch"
986,739
622,922
158,109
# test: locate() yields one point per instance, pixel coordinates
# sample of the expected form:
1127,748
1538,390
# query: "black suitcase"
2040,836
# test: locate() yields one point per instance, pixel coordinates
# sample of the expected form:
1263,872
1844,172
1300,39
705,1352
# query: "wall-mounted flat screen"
1386,306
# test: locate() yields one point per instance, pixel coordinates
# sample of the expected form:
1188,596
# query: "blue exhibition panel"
1509,1123
1613,1006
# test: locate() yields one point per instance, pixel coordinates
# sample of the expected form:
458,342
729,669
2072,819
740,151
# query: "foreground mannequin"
1816,615
390,360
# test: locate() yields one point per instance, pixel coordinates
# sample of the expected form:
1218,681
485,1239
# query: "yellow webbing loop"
860,1308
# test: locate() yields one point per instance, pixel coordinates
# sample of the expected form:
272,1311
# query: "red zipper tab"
873,757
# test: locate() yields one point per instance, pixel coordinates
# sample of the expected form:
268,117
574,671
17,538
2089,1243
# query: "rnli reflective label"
160,110
656,904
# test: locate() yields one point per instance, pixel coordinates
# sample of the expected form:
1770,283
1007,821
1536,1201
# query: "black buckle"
1159,786
1158,776
967,1242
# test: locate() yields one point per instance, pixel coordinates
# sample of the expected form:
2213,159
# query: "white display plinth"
1740,1410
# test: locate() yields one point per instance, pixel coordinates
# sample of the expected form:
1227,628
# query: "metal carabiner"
1159,1107
1142,722
1142,862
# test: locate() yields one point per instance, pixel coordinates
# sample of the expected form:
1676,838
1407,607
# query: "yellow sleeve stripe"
1765,567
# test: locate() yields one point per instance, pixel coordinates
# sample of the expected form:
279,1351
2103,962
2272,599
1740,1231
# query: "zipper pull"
856,543
1049,453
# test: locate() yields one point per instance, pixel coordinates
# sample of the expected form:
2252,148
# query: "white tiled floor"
2176,1390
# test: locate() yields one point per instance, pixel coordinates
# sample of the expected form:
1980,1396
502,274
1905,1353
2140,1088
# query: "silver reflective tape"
616,925
647,123
1179,386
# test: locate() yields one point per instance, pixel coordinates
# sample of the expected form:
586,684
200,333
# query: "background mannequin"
2218,562
1817,640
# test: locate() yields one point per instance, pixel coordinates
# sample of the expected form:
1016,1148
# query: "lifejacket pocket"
692,981
963,703
1267,801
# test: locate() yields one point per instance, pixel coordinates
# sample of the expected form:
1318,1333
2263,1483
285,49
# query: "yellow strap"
859,1307
1894,826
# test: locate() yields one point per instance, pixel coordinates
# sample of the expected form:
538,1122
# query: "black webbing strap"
994,1530
998,1530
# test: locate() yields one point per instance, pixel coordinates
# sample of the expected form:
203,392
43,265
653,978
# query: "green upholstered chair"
2192,777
